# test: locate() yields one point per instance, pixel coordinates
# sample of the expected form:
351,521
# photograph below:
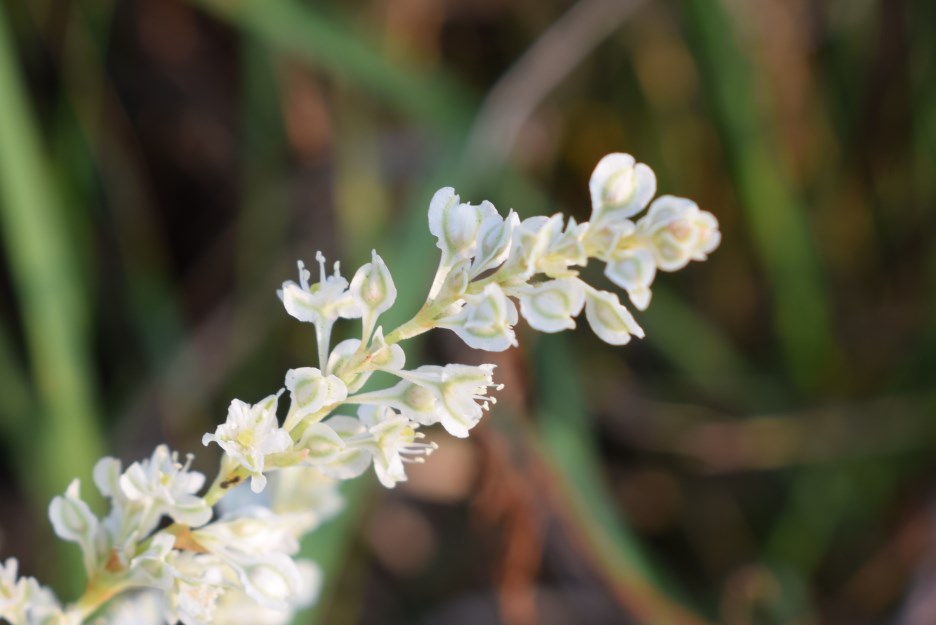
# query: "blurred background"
764,456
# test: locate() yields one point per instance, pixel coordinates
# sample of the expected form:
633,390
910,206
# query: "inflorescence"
227,555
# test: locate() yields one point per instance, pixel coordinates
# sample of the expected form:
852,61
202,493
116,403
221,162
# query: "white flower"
485,321
73,521
135,608
374,292
305,496
609,319
551,306
494,237
620,188
379,357
460,392
456,225
249,435
162,485
151,568
530,243
633,269
395,442
235,608
679,232
198,582
383,357
323,302
15,593
329,451
453,395
310,391
257,549
450,283
564,248
24,602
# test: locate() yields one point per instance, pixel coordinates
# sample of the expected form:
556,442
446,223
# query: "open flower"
396,442
453,395
163,485
250,434
18,595
321,303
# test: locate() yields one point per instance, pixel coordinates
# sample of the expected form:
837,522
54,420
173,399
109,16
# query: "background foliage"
764,456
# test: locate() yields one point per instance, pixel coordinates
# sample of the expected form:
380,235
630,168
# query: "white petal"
298,303
443,200
106,475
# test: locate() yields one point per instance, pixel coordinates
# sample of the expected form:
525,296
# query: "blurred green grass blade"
564,435
18,402
97,115
262,220
701,352
430,97
68,440
777,220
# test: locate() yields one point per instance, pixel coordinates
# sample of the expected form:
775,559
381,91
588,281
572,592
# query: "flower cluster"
228,555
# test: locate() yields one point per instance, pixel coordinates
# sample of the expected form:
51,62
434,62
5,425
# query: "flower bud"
679,232
551,306
609,319
456,225
485,321
620,188
633,269
73,521
310,391
494,238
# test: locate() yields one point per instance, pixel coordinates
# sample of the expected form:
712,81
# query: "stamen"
321,262
303,276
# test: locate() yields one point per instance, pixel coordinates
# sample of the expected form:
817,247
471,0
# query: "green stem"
96,595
